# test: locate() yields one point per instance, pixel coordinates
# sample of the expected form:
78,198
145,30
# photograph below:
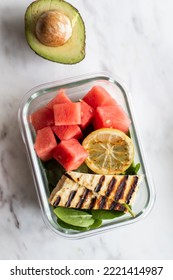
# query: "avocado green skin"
73,51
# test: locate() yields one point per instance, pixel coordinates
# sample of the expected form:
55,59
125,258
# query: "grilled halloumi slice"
69,193
120,188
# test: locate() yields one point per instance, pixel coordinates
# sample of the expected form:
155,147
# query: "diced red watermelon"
66,132
87,114
111,117
45,143
67,113
98,97
42,118
70,154
60,98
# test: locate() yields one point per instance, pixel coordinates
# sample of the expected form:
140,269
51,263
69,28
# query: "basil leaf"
74,217
106,214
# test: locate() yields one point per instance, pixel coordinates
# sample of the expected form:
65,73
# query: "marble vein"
16,221
3,132
5,170
137,25
1,197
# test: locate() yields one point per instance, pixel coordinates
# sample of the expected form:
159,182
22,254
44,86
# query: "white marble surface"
131,39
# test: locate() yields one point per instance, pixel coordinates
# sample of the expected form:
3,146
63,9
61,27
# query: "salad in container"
85,155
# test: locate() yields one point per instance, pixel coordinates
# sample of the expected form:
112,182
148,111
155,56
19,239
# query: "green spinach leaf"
74,217
106,214
96,224
54,171
133,169
83,168
129,209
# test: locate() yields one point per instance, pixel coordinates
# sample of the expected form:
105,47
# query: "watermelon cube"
67,113
70,154
60,98
87,114
42,118
111,117
66,132
45,143
98,97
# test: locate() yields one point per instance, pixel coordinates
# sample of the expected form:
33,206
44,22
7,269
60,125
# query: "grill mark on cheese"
102,202
92,203
120,207
82,198
111,186
121,188
132,189
57,201
116,206
70,198
113,205
99,185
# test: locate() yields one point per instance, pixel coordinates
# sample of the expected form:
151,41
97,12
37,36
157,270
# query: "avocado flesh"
73,51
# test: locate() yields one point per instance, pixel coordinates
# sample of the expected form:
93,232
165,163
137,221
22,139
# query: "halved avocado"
42,16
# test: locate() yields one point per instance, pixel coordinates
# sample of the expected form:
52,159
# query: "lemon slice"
110,151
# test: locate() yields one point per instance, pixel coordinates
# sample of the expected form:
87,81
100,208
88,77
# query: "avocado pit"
53,28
